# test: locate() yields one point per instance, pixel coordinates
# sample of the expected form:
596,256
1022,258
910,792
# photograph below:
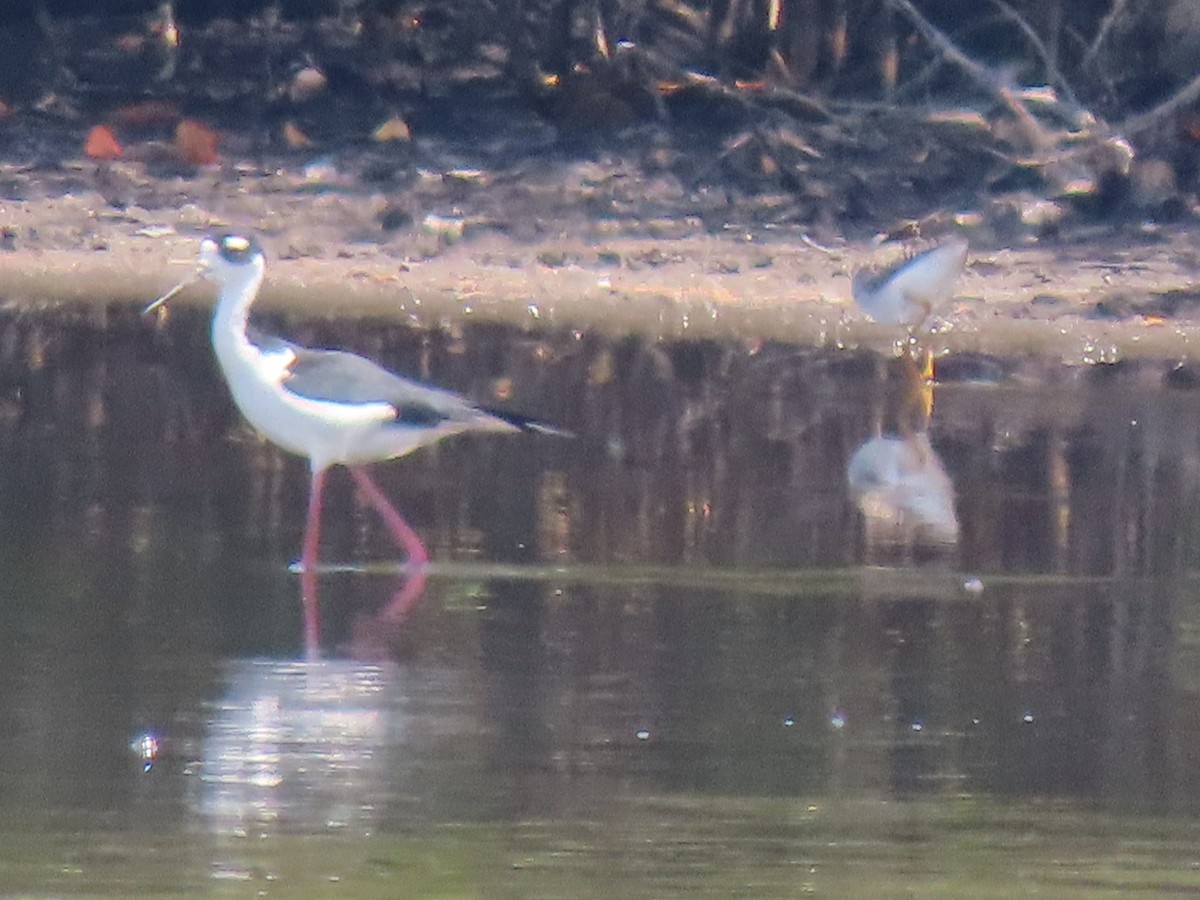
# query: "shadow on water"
765,596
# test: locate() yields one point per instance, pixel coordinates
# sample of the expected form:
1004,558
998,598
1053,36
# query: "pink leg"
406,598
308,566
405,538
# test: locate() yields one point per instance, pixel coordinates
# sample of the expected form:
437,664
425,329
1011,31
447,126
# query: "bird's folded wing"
339,377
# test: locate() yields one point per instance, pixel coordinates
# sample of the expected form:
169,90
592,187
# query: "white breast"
325,431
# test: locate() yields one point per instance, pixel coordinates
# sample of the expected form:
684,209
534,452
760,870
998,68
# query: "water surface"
671,656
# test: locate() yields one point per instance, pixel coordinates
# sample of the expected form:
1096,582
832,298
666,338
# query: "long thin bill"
169,294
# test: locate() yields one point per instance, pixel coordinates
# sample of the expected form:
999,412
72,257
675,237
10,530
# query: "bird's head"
224,258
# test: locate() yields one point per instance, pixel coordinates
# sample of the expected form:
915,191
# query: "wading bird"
331,406
912,289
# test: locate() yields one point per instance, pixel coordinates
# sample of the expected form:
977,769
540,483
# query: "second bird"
911,290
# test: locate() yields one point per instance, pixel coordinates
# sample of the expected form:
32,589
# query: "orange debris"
196,143
101,143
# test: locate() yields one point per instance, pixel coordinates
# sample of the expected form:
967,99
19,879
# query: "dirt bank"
1118,294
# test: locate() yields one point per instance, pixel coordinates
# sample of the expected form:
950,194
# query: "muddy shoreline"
1116,296
403,169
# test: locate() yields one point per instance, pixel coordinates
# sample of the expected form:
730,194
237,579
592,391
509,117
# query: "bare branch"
981,74
1185,96
1040,49
1106,25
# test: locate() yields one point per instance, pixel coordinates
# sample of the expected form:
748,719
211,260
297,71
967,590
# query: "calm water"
680,654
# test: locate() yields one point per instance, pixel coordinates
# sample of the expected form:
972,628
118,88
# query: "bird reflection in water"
896,477
299,747
903,491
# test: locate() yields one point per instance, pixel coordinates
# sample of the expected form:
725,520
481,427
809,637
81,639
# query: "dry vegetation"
706,153
852,114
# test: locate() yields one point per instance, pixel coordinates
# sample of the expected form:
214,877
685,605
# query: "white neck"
233,309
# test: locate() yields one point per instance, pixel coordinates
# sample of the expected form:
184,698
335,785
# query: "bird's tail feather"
526,423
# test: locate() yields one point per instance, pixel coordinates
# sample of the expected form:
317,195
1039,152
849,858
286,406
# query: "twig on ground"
804,238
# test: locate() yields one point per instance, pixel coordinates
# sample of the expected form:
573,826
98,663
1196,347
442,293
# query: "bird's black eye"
237,248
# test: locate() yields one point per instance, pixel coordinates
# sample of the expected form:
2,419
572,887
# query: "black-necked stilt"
330,406
911,290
